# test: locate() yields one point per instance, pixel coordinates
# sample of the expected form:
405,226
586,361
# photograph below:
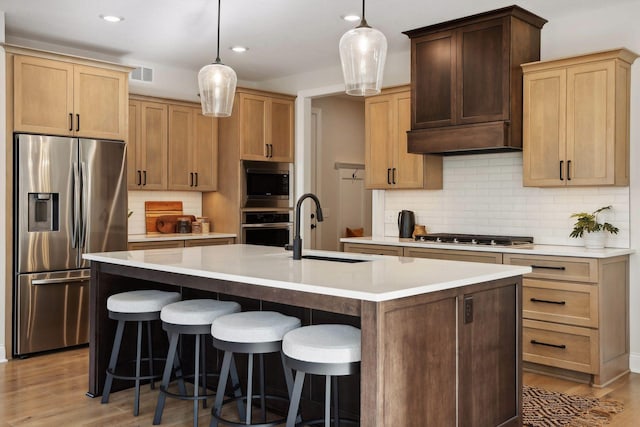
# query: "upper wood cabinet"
193,149
147,145
266,126
63,98
576,120
466,81
387,162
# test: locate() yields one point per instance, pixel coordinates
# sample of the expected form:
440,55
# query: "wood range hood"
466,82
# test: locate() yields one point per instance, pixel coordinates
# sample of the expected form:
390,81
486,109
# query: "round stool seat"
323,344
197,311
144,301
253,326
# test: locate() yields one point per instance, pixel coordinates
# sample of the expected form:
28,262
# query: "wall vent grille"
142,74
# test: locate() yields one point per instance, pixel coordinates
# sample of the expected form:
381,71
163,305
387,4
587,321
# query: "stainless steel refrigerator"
70,198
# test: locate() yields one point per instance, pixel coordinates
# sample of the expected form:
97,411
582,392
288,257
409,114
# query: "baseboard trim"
3,354
634,362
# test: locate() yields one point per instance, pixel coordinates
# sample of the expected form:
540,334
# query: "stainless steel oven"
269,228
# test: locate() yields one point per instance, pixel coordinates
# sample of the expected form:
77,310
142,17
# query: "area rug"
543,408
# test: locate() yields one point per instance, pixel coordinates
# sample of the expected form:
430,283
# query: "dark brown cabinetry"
466,81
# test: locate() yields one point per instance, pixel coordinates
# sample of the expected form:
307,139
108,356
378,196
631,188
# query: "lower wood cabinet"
132,246
488,257
374,249
575,310
576,316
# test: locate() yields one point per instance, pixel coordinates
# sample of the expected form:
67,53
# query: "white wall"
342,130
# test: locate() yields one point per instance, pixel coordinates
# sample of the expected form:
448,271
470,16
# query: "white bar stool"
191,317
329,350
251,332
135,306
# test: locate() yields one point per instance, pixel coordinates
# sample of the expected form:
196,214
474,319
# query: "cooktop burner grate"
476,239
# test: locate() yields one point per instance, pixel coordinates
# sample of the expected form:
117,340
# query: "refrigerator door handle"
83,207
75,215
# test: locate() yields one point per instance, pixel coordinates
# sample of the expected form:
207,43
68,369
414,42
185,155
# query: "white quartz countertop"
556,250
135,238
381,278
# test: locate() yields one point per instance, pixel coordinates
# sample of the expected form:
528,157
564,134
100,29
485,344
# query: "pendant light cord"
363,21
218,51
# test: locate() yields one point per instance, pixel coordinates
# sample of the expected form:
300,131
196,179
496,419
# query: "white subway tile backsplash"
483,194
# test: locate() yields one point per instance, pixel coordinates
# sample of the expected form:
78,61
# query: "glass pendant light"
217,83
362,52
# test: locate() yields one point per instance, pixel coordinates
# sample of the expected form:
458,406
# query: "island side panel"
490,353
409,361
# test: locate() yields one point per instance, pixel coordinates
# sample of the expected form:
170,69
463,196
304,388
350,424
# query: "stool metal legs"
228,368
245,413
113,360
293,417
295,399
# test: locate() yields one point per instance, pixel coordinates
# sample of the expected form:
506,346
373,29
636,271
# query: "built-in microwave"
266,184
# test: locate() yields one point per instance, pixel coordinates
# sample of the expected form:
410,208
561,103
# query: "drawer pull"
549,267
547,301
562,346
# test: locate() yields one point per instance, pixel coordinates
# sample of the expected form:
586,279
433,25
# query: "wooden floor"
50,391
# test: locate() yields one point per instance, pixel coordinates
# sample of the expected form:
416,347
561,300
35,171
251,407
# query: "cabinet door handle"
139,178
546,301
549,267
270,150
393,176
190,179
266,150
561,164
144,174
568,170
196,174
77,122
389,176
562,346
70,121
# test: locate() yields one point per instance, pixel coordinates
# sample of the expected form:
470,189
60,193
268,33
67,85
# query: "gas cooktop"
476,239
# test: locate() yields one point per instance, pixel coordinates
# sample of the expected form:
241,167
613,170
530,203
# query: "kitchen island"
441,340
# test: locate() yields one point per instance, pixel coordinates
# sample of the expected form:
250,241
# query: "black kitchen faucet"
297,240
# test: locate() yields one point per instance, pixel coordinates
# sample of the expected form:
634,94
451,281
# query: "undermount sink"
334,259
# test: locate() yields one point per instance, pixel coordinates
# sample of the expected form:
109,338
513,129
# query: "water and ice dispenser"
43,212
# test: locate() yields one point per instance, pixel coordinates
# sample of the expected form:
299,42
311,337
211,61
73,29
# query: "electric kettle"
406,222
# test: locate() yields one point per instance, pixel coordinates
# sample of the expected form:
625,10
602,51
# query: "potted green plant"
595,231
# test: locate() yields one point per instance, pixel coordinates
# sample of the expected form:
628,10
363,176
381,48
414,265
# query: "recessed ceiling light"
351,18
239,49
112,18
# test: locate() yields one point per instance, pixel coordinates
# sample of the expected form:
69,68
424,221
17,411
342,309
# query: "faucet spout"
297,240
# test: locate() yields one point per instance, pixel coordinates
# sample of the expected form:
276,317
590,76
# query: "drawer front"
487,257
560,346
373,249
207,242
156,245
561,302
559,268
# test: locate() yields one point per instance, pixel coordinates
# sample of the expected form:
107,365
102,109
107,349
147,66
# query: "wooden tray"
153,210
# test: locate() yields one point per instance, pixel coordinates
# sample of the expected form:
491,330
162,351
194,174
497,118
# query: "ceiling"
284,37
